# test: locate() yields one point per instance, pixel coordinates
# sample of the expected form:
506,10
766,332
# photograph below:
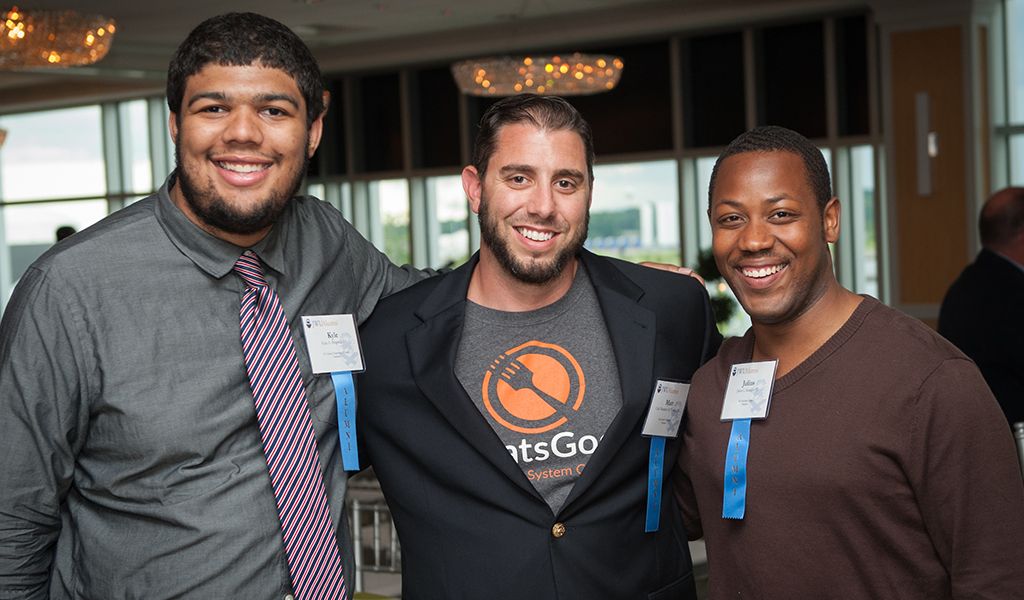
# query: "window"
389,218
137,167
447,219
1009,117
52,154
635,212
855,184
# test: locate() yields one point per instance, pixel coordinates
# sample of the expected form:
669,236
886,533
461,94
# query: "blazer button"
558,530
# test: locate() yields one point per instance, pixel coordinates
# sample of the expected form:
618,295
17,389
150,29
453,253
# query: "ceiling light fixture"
52,38
576,74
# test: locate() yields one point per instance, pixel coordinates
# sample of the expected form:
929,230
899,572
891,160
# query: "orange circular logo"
534,387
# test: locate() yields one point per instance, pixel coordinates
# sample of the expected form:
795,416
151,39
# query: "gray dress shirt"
131,463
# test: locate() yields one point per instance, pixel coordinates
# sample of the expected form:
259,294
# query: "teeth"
537,236
763,271
243,167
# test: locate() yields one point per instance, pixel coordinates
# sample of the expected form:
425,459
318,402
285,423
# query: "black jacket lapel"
432,348
631,328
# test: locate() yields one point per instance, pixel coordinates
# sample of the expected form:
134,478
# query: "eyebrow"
771,200
258,98
572,173
509,169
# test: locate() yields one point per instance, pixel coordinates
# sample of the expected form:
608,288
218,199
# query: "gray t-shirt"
546,381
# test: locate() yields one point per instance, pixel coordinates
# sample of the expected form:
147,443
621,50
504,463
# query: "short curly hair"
242,39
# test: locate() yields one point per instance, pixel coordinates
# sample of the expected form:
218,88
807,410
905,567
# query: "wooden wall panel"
930,232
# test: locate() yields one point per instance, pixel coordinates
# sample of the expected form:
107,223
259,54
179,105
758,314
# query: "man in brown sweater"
882,466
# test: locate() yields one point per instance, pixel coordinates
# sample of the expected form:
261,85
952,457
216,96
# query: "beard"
213,210
531,270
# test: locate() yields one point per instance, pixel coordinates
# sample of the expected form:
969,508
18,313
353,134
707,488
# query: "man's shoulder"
647,276
121,233
313,216
398,309
888,338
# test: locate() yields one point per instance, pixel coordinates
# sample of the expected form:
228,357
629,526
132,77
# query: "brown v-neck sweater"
883,470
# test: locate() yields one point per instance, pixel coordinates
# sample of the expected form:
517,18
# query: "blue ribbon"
345,394
734,501
655,474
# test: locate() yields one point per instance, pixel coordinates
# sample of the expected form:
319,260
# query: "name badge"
666,410
333,343
663,418
749,391
747,396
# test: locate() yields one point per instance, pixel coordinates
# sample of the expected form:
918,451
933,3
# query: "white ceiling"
359,34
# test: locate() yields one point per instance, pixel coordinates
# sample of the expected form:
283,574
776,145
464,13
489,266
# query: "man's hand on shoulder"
673,269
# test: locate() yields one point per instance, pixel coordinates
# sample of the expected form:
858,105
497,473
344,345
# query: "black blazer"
470,523
983,314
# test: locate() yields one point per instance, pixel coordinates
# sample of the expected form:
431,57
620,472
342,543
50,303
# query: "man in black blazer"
503,403
983,311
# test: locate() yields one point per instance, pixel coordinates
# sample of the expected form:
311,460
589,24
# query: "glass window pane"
862,179
1015,56
30,229
449,227
704,167
1017,164
635,212
315,189
391,197
138,169
52,154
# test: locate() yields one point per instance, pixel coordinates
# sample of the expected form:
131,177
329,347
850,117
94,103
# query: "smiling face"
241,144
533,201
769,236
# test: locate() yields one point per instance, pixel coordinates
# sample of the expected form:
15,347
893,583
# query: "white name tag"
749,391
333,343
667,406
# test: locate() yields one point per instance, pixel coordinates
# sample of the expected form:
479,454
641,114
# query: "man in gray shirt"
133,464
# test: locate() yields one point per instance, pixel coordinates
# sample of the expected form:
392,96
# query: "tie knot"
248,267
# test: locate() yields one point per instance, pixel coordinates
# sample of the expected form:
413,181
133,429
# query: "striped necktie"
289,441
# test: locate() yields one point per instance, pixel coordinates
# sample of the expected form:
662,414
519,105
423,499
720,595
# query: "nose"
243,127
756,236
542,202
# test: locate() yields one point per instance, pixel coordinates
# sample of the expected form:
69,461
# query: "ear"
172,126
316,129
830,220
473,187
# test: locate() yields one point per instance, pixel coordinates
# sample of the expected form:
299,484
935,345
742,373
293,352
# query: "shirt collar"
212,254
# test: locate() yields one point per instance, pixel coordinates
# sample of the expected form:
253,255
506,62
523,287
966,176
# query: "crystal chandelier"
52,38
573,75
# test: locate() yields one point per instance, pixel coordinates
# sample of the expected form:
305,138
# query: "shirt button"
289,597
558,530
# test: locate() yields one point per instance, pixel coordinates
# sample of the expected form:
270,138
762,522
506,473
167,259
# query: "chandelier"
572,75
52,38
